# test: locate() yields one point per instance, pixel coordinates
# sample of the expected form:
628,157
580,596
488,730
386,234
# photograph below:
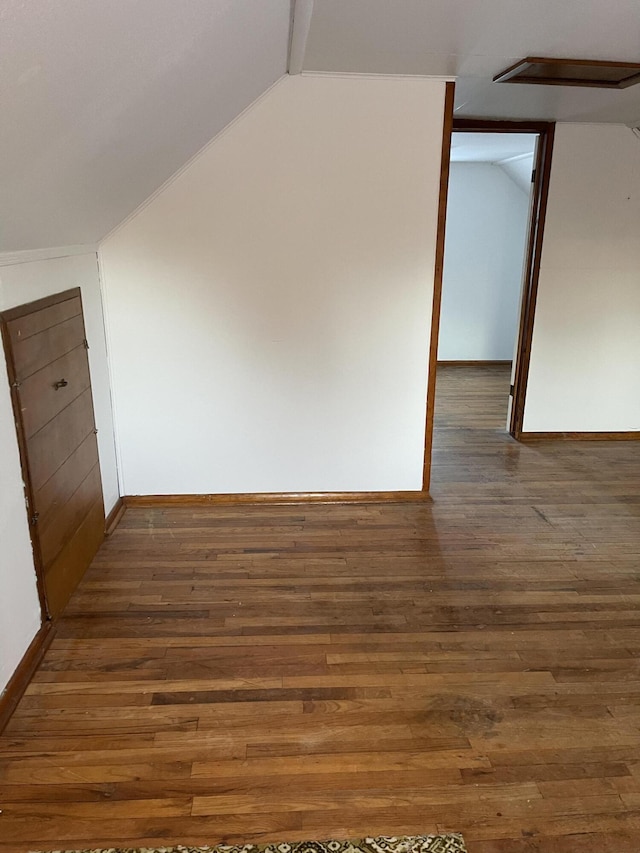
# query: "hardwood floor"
262,673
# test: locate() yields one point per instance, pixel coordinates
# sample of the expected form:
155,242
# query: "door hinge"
85,343
16,384
95,431
533,176
512,390
35,517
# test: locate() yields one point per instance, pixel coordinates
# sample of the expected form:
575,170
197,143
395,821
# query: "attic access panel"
571,72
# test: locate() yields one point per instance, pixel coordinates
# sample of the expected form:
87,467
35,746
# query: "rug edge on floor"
438,843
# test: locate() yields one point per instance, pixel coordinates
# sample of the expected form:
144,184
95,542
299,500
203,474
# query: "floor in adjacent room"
263,673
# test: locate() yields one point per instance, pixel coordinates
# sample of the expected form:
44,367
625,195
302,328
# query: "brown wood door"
48,368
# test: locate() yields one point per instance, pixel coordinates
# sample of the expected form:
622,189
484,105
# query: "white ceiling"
475,39
490,147
102,100
513,153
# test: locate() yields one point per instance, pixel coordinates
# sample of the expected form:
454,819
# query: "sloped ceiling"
519,170
102,100
513,153
490,147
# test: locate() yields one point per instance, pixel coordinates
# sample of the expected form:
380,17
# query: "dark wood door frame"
540,194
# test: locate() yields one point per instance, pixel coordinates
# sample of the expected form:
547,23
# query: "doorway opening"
494,193
488,209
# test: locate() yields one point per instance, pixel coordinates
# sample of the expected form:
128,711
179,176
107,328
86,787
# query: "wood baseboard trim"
274,498
20,679
474,363
579,436
113,519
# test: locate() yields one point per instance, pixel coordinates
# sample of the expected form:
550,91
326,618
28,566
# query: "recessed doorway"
497,182
488,210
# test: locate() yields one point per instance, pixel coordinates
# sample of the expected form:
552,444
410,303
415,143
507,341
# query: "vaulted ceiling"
102,100
513,153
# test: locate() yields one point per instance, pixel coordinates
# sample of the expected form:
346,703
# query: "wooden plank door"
46,350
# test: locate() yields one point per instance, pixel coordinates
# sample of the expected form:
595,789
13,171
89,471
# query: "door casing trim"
545,131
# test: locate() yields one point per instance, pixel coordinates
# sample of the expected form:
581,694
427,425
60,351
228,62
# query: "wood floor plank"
261,673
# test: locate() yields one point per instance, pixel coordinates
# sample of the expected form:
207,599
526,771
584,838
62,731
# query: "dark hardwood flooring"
262,673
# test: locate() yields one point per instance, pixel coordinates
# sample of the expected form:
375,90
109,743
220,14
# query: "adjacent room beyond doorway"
488,214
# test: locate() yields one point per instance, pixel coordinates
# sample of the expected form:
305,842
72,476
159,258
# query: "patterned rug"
380,844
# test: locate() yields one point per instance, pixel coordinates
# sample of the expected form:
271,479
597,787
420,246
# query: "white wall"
19,607
585,359
269,310
487,216
520,169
